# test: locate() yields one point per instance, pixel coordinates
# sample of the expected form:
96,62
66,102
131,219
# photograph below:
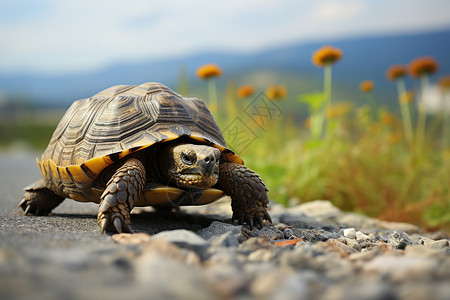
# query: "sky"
56,37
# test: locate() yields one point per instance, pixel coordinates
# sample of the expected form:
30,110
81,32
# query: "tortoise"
143,145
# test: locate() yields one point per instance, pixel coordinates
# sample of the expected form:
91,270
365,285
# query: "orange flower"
425,65
406,97
308,122
444,82
327,55
276,92
245,91
396,72
366,86
387,118
208,70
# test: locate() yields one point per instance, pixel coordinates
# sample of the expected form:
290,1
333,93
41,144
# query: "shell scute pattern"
97,131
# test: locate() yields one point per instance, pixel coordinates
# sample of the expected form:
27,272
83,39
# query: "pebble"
400,240
316,252
270,233
282,283
342,249
218,228
350,233
440,244
261,255
225,240
133,239
165,278
361,236
185,239
401,268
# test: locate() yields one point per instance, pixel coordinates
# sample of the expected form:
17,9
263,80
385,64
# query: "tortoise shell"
98,131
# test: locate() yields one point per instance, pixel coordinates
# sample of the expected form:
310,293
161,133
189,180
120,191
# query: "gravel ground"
312,251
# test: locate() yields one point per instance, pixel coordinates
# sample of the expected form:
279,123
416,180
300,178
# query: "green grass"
35,135
363,168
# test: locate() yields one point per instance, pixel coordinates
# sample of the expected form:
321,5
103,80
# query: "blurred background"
381,149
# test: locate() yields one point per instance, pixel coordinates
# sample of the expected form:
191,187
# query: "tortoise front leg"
120,195
38,200
247,191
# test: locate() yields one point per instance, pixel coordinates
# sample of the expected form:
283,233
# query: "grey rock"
225,240
312,257
254,244
185,239
227,280
424,251
158,246
280,284
310,235
224,257
163,278
401,268
270,233
289,234
261,255
336,246
439,244
361,236
217,228
400,240
258,268
369,289
349,232
300,220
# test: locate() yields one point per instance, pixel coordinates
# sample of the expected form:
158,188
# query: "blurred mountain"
364,58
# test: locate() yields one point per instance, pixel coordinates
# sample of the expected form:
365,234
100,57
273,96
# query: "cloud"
59,36
333,11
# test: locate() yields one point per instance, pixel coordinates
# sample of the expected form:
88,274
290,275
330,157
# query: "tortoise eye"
187,158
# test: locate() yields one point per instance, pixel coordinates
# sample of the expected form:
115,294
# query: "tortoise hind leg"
247,191
39,200
119,197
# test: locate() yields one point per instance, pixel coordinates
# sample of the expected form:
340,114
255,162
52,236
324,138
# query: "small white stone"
350,232
361,236
261,255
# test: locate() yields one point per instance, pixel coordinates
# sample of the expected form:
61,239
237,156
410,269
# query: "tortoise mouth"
196,180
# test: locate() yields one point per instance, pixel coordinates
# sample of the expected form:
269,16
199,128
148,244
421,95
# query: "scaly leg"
39,200
119,197
247,191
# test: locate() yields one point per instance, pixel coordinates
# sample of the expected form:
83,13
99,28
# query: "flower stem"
316,125
371,102
405,111
446,121
421,121
212,91
327,94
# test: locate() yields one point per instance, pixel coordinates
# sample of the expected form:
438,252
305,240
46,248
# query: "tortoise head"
189,165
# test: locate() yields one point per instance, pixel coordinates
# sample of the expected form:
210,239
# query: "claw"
118,225
250,223
267,216
260,222
127,229
22,203
104,225
27,210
